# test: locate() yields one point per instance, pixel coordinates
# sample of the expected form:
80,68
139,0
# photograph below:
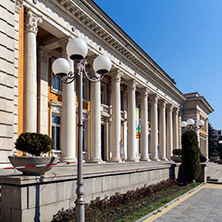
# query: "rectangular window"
56,83
56,131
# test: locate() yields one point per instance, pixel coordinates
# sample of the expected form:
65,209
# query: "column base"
155,158
145,159
164,159
132,159
68,159
116,160
95,160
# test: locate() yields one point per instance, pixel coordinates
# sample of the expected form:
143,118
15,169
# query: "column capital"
32,21
18,5
131,85
162,103
63,43
176,110
116,76
154,98
44,55
170,107
144,92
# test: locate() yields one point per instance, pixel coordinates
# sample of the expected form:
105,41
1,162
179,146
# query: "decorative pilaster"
116,116
131,122
144,125
68,114
162,130
30,72
154,128
43,61
175,129
169,131
95,123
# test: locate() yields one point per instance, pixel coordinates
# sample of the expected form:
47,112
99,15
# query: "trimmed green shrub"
177,152
191,155
34,143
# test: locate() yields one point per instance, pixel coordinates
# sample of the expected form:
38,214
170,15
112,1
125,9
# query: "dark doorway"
102,142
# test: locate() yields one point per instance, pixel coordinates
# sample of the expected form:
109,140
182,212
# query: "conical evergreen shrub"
190,155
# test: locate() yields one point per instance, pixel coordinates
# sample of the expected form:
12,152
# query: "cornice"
123,50
90,16
202,102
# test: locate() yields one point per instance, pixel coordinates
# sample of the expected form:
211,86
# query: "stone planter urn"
30,161
177,159
35,144
214,158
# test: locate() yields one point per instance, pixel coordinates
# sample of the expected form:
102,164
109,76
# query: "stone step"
212,180
214,175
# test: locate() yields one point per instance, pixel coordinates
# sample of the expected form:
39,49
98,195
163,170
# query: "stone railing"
105,110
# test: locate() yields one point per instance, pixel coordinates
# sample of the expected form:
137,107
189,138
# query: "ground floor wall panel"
39,198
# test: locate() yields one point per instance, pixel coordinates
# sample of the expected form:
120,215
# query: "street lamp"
77,50
190,123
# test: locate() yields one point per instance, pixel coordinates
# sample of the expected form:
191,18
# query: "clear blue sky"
184,37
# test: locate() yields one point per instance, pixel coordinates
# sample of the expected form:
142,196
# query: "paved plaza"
204,204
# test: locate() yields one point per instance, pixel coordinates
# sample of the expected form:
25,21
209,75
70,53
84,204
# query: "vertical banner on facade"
137,123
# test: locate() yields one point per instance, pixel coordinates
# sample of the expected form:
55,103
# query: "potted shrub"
214,157
36,145
177,155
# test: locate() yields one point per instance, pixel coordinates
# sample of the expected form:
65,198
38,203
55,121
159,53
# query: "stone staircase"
214,172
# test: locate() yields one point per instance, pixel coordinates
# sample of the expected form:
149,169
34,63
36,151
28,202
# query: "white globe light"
102,64
200,122
61,67
190,122
183,124
77,49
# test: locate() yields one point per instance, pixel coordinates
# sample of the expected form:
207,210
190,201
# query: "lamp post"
190,124
77,50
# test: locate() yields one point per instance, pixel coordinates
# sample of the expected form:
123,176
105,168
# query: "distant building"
197,108
34,33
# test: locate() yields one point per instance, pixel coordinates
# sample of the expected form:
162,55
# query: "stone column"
175,129
162,129
144,125
43,62
116,116
68,114
154,128
95,123
169,132
30,72
125,130
131,122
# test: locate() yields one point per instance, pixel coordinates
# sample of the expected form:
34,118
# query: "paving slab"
203,204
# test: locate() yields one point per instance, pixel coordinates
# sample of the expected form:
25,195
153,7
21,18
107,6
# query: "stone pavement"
204,204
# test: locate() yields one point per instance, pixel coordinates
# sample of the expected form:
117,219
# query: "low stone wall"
26,199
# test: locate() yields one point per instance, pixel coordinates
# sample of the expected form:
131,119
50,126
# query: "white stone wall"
8,78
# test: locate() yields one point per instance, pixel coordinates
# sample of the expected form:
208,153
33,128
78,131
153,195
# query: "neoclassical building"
133,114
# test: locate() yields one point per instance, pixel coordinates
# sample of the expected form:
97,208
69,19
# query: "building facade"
135,94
